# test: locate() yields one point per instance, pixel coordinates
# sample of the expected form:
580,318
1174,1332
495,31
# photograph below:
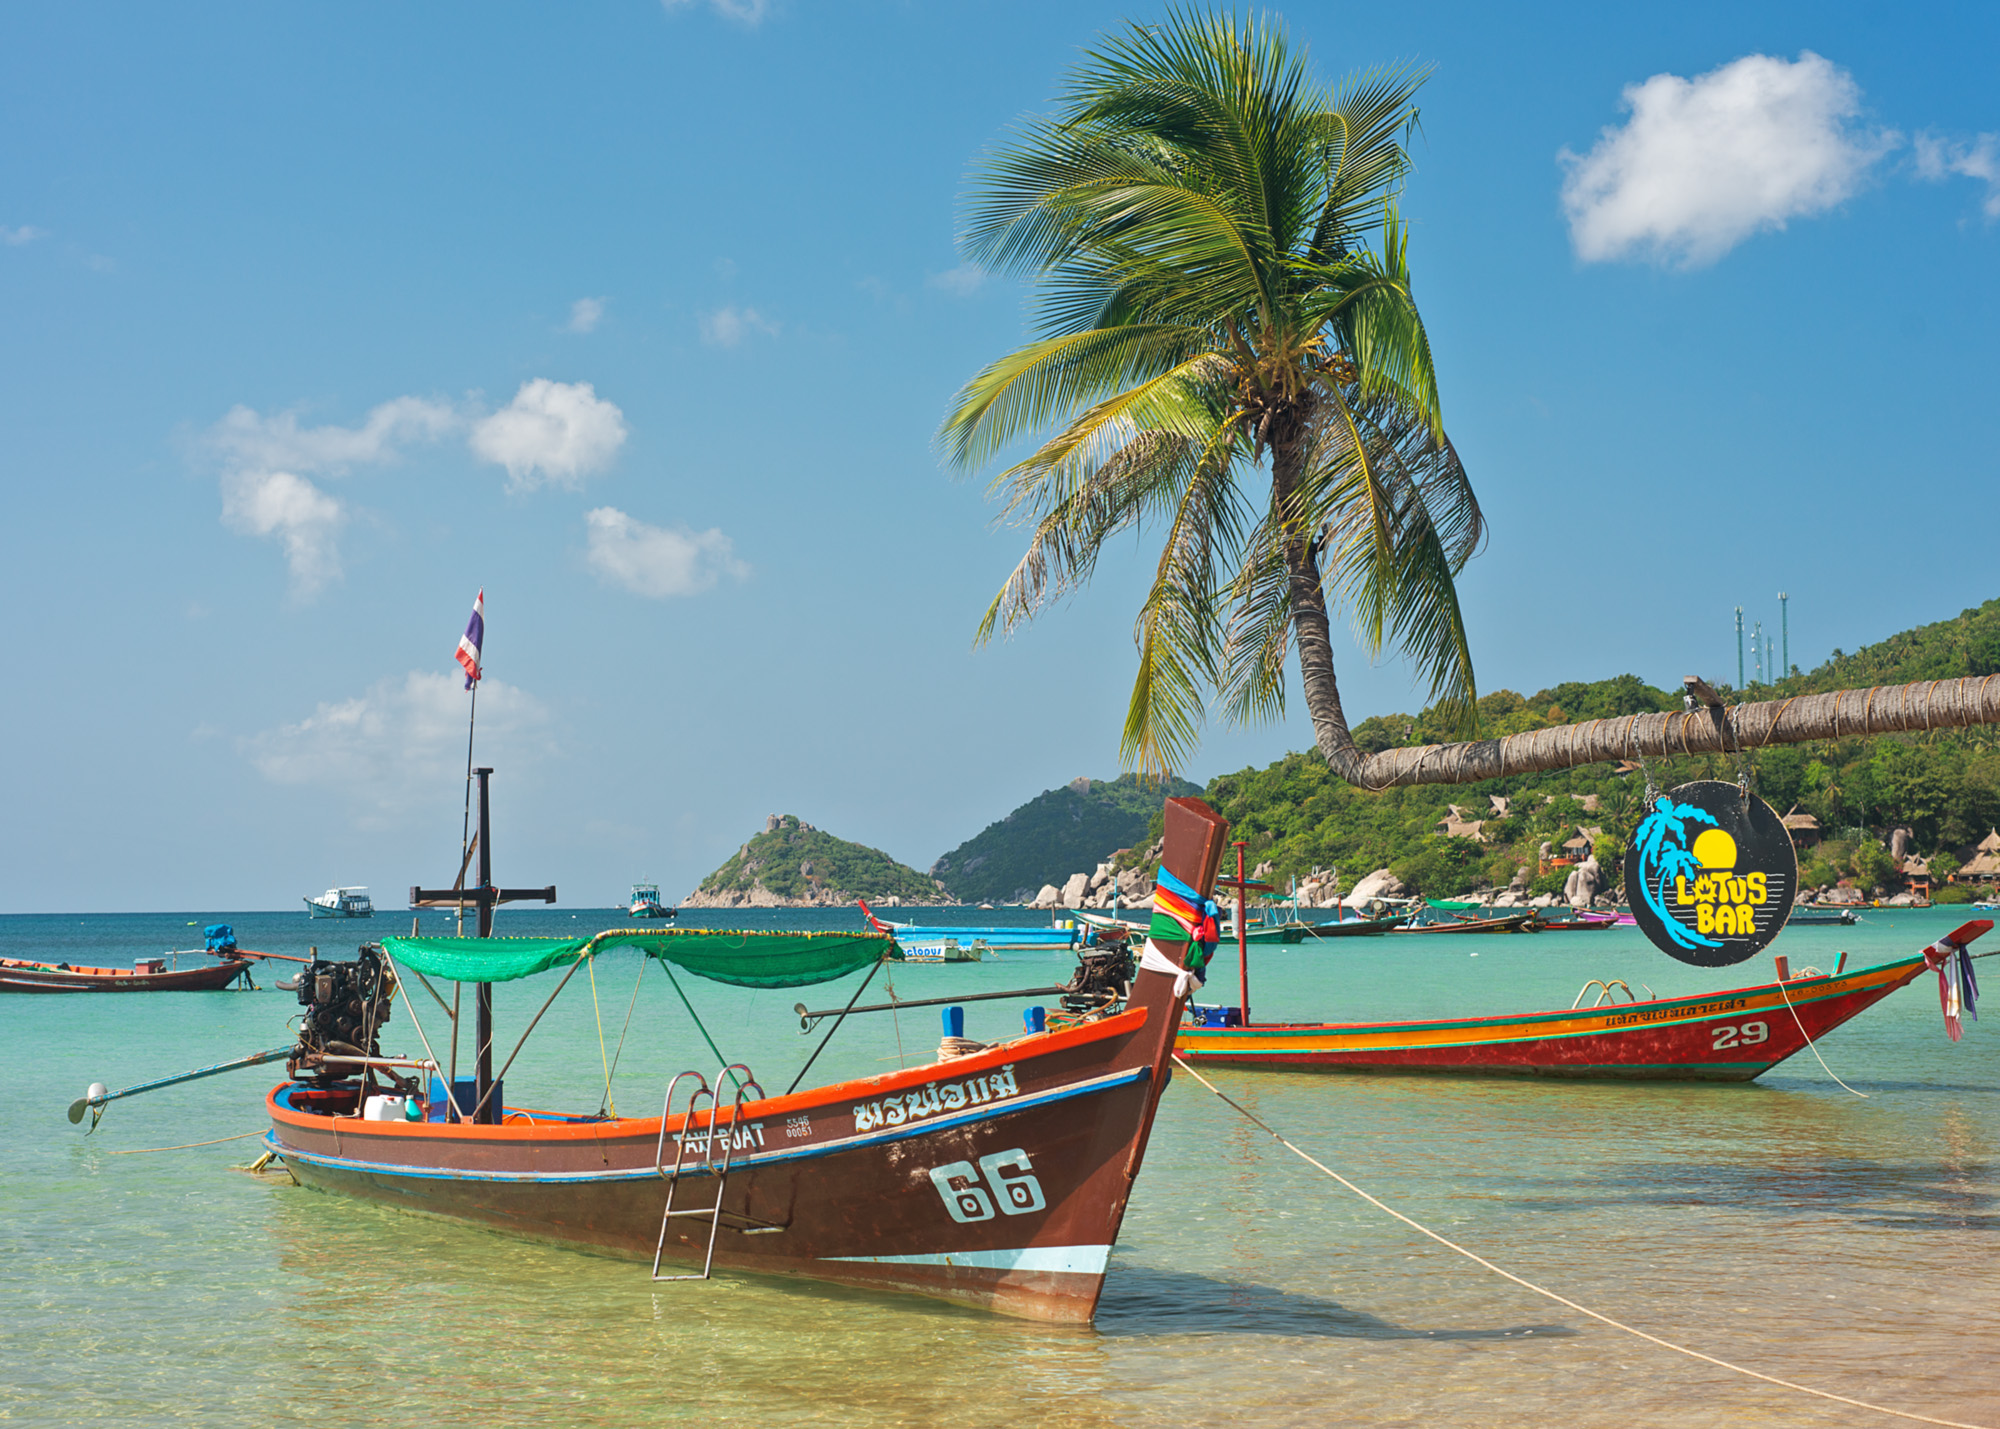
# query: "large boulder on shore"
1379,884
1073,891
1049,897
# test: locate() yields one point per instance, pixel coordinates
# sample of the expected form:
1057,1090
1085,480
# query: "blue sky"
642,317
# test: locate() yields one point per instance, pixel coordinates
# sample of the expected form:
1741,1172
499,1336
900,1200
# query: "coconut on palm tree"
1231,354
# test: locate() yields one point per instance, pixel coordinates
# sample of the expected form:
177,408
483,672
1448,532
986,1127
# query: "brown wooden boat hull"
868,1213
17,976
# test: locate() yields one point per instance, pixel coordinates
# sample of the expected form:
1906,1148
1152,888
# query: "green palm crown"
1223,279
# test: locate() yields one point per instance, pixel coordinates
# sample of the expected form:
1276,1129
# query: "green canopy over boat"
742,959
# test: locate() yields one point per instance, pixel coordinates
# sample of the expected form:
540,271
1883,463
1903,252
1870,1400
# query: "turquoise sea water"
1847,1243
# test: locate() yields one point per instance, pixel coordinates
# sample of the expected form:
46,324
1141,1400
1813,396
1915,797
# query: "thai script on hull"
933,1098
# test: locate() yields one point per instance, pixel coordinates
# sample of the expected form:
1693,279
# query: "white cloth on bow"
1151,959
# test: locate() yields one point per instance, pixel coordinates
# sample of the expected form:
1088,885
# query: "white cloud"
265,494
727,327
252,441
402,743
585,314
554,431
658,561
26,233
286,506
1978,158
961,282
747,12
1704,163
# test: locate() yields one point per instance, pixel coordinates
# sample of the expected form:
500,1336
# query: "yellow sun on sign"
1715,849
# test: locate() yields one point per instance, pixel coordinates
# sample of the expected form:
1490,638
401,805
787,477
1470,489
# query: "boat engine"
346,1006
1103,976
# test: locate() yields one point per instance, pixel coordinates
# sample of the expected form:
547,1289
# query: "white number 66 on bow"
1009,1173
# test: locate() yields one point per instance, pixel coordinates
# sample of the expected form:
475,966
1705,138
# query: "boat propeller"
95,1098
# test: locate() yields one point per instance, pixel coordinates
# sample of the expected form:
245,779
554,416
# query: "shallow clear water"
1786,1225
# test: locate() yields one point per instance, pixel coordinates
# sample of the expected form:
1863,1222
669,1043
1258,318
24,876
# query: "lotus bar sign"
1711,874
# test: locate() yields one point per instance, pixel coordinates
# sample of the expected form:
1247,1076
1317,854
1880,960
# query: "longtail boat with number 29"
997,1178
1731,1036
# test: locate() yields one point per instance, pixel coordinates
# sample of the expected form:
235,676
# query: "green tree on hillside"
1225,279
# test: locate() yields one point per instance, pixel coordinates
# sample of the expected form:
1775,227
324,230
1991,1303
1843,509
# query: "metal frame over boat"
997,1179
1731,1036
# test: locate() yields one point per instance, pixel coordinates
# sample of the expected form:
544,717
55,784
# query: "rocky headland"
791,864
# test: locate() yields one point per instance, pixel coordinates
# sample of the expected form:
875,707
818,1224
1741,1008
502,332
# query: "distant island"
794,865
1054,834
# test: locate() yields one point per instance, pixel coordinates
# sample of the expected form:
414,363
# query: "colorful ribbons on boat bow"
1180,913
1958,990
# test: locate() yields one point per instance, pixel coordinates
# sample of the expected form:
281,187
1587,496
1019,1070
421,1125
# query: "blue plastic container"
465,1091
954,1022
1037,1018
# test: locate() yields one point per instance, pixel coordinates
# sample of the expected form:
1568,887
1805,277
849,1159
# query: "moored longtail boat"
1523,922
1729,1036
996,939
145,975
1356,927
996,1179
1579,923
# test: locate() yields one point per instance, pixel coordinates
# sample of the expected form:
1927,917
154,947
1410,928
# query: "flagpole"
471,646
465,824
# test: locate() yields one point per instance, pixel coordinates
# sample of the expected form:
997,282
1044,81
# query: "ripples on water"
1786,1225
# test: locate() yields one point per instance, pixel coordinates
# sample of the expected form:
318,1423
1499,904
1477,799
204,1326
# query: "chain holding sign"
1711,873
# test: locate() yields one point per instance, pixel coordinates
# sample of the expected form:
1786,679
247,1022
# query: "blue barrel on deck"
1037,1018
465,1091
954,1022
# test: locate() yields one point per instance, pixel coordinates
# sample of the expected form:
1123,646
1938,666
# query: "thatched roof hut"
1455,825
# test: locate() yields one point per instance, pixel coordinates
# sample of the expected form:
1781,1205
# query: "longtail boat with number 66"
997,1177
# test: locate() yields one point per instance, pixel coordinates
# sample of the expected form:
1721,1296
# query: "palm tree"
1225,282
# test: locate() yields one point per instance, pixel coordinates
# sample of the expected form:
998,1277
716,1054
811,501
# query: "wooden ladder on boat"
706,1165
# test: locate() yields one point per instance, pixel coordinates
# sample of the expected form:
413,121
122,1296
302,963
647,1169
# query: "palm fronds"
1223,276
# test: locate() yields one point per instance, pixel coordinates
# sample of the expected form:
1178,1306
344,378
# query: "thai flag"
474,637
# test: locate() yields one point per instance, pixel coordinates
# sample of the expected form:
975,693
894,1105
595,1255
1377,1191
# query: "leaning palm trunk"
1705,729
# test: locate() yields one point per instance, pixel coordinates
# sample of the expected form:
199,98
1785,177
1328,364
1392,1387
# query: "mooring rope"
1810,1043
1480,1260
602,1056
188,1146
620,1053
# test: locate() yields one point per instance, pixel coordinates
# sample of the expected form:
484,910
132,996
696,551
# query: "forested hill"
1946,650
792,862
1054,835
1944,787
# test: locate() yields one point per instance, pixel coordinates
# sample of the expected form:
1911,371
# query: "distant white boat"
646,902
341,903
